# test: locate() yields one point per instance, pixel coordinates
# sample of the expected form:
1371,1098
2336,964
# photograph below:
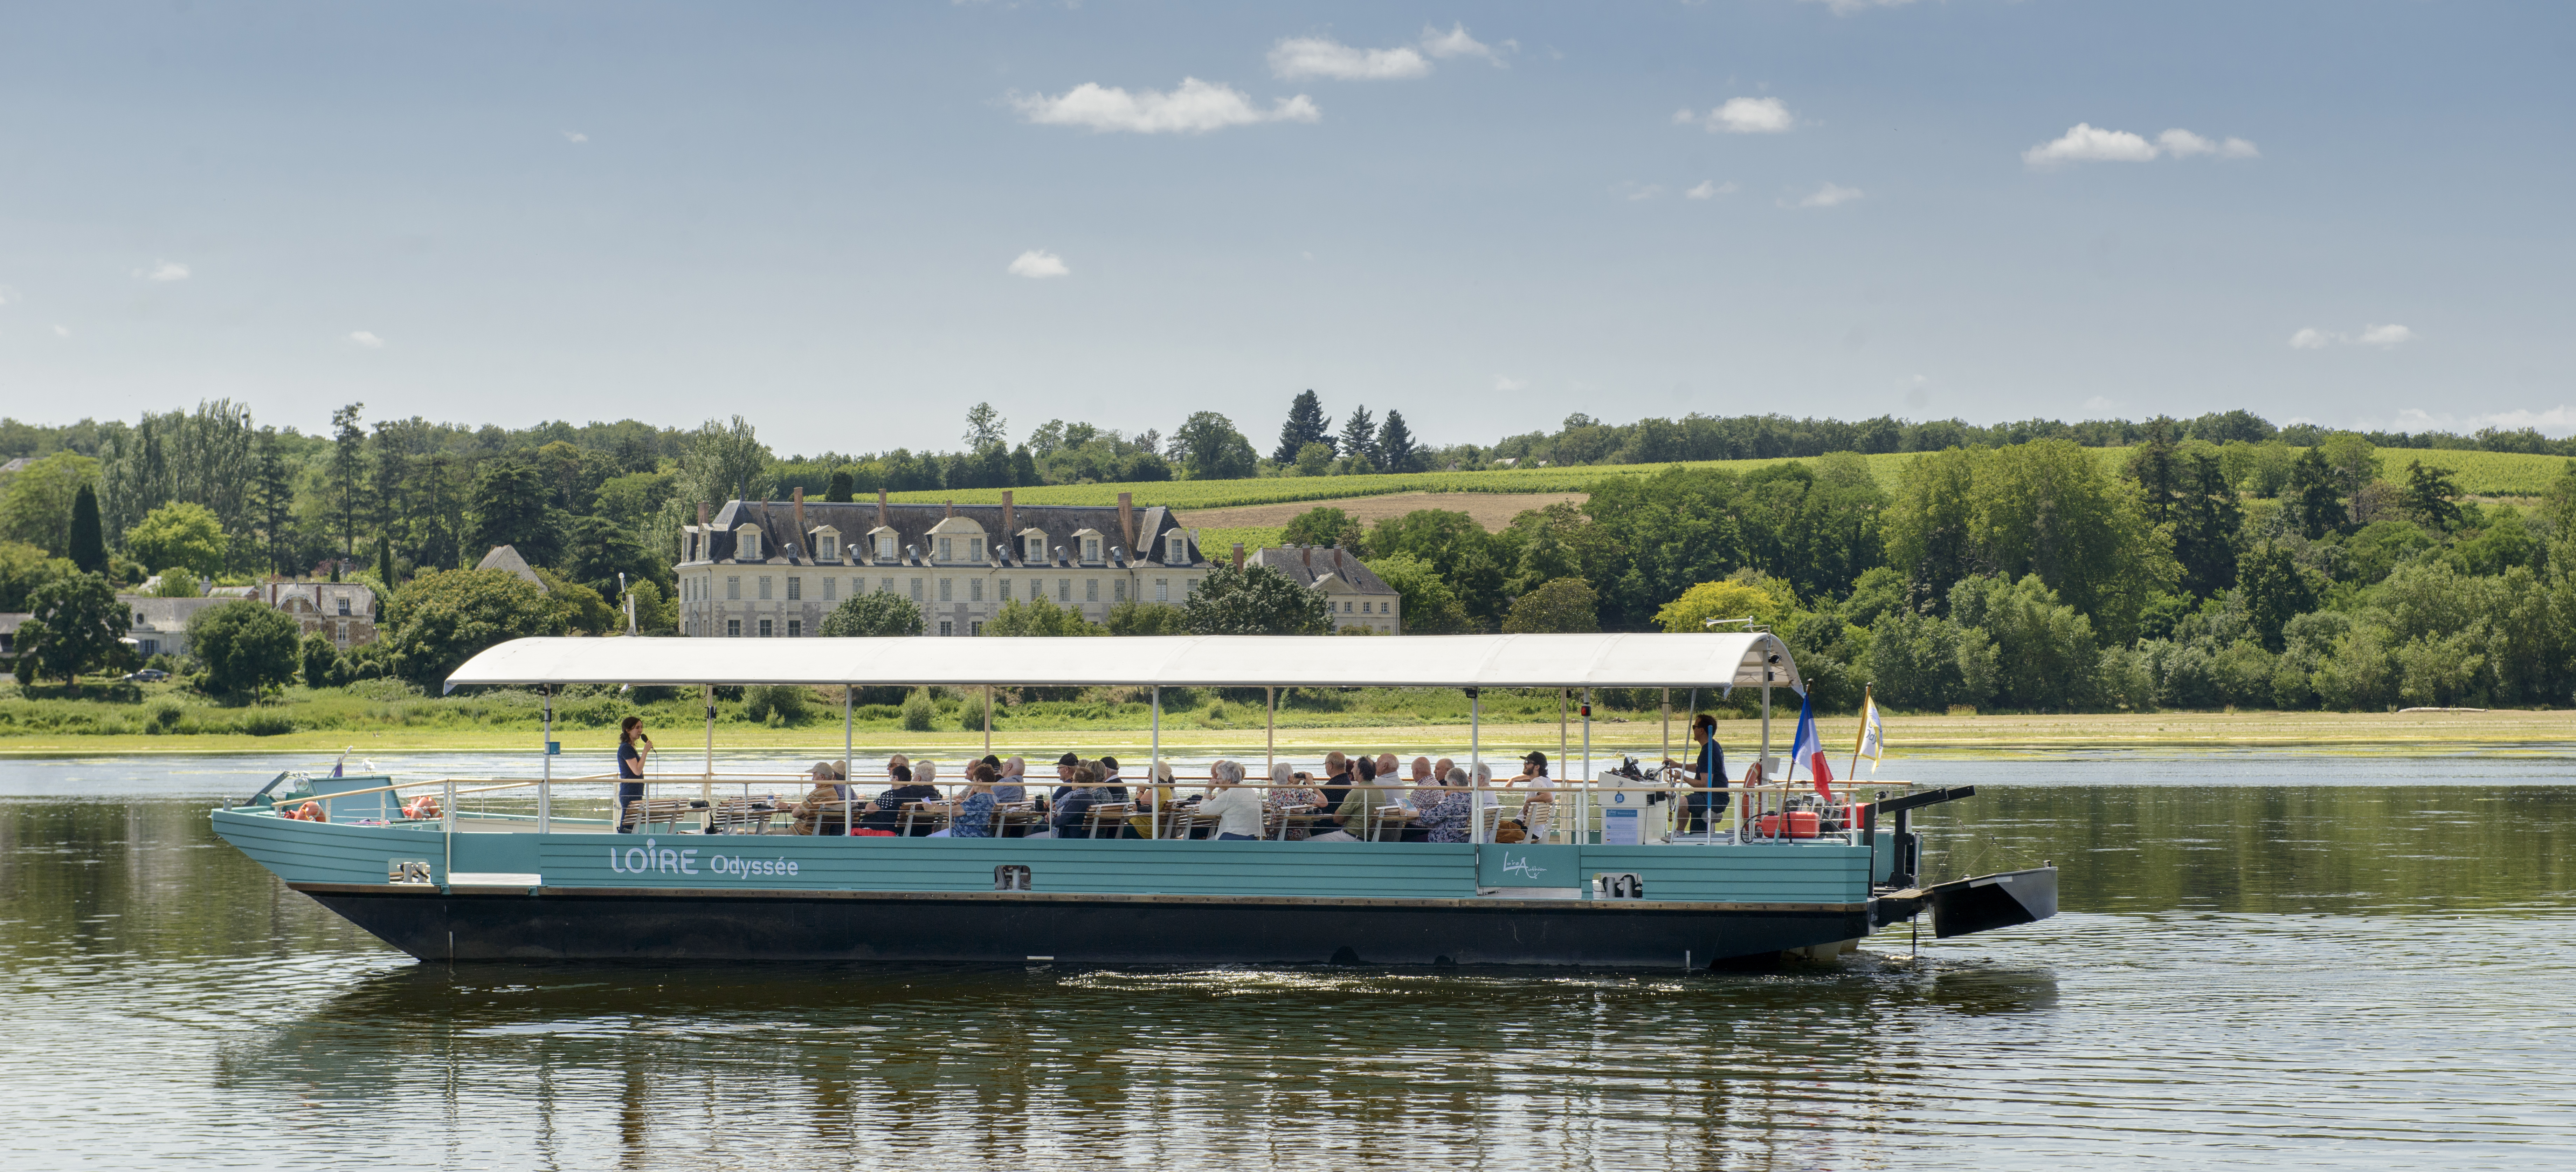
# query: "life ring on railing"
308,812
422,807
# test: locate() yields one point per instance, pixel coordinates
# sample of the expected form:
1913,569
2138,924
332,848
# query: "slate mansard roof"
915,544
1310,565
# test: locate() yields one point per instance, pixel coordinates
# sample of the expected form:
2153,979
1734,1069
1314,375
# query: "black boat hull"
698,925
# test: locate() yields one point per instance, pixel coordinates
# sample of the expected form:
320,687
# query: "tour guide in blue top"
1708,778
632,748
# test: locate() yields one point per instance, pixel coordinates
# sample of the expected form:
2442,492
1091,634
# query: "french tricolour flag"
1810,751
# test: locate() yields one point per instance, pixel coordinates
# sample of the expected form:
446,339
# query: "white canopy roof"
1451,661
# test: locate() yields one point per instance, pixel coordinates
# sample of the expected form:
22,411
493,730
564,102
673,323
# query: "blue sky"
851,222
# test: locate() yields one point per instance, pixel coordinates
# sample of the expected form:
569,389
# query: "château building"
774,569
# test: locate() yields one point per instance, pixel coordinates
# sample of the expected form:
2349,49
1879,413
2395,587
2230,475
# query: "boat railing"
1567,811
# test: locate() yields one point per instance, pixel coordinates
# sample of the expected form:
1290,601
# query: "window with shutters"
795,588
885,545
974,549
974,590
733,588
1091,549
764,587
827,548
979,626
885,585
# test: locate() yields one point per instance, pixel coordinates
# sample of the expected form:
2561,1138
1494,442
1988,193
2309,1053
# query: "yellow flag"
1873,735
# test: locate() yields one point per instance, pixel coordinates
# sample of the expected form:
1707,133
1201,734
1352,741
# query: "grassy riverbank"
681,731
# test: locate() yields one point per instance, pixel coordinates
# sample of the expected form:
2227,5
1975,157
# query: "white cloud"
367,339
1317,57
2383,336
1742,116
1847,7
575,136
2087,143
169,270
1505,383
1649,191
1829,196
1038,264
1711,189
62,331
1456,43
1195,108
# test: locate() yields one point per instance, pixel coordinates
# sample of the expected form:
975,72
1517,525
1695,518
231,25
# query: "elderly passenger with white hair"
1290,793
1237,809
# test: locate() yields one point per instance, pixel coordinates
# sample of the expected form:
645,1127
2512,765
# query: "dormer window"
826,543
688,543
947,549
974,549
884,542
746,543
1091,549
1033,547
1176,548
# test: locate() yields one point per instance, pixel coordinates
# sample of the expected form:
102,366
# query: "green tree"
837,490
1254,600
1323,525
1469,560
1039,617
179,534
2318,494
586,609
2157,466
23,568
385,577
1359,437
509,508
1139,617
1430,606
1213,450
1315,459
2274,590
2045,658
36,501
2045,508
248,647
86,544
1396,449
437,621
77,624
348,450
1307,424
318,661
878,613
1564,606
176,582
2432,496
2205,524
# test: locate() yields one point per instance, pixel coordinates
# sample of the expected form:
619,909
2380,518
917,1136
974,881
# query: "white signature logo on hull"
655,859
1521,866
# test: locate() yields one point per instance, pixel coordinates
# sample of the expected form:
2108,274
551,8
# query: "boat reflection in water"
1599,877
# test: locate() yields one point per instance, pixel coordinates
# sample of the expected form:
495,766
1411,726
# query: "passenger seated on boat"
1337,780
1538,810
1012,786
1070,815
1112,790
886,812
974,815
1291,794
1442,814
1355,817
1706,802
1064,770
1237,810
825,807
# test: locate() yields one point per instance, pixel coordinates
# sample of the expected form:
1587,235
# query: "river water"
2263,960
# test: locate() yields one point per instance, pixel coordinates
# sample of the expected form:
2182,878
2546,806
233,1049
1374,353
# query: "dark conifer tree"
838,490
1359,436
1307,424
1396,451
87,542
2206,521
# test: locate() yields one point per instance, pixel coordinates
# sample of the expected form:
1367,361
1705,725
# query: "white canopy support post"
1766,740
1475,760
707,780
988,720
1564,697
1668,724
1583,817
848,693
1154,770
546,780
1269,735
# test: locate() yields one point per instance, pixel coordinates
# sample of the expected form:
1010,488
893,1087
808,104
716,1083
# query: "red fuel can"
1802,824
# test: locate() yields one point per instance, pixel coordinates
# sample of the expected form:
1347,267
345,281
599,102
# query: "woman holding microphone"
632,749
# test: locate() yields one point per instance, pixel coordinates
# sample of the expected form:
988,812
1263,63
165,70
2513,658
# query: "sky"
850,223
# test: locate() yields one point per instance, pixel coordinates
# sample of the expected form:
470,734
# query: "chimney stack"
1127,517
1238,557
1337,560
800,521
881,508
952,508
1010,523
1307,554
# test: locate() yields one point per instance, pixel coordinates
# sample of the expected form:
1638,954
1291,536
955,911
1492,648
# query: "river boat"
702,873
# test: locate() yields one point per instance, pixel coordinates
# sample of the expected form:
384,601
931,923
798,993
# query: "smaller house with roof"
1357,597
343,612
